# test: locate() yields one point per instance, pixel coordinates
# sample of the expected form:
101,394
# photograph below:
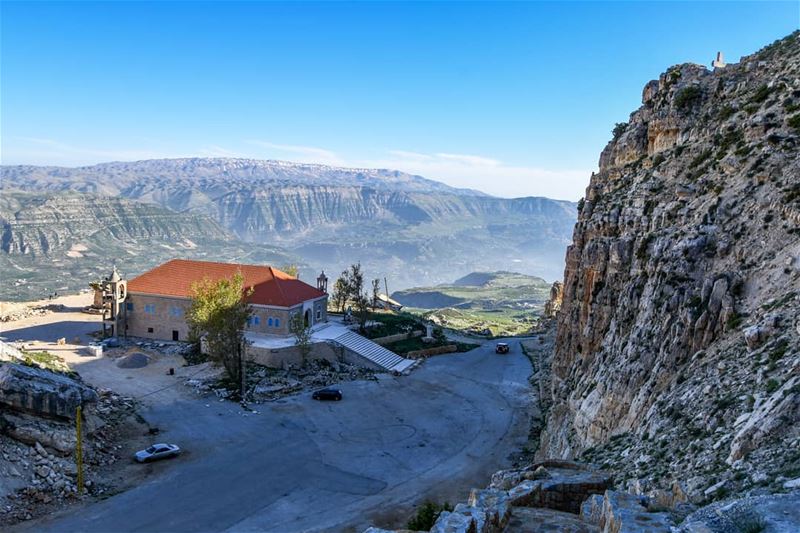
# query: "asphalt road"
301,465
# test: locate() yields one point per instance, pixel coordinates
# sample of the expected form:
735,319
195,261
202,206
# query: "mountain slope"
61,242
400,226
678,345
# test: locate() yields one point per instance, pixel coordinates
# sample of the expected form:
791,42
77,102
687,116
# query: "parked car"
327,394
501,347
156,452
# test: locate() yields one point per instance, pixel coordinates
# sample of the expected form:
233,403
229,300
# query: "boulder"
452,522
495,506
36,432
42,392
624,513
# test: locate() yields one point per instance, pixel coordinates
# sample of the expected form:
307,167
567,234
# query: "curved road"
300,465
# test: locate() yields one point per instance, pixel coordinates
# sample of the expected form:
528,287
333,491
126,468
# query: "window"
150,309
269,322
277,322
149,330
176,311
129,306
254,320
319,314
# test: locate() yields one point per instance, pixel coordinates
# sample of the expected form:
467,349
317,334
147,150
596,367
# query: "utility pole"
79,450
241,374
386,286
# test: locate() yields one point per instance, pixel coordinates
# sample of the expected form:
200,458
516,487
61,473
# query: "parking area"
297,464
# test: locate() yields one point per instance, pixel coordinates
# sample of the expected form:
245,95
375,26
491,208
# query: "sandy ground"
149,384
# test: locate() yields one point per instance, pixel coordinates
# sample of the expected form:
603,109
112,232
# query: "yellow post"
79,451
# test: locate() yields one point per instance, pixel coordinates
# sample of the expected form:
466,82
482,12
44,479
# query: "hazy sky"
513,99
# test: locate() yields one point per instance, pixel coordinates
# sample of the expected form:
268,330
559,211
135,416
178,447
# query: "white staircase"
374,352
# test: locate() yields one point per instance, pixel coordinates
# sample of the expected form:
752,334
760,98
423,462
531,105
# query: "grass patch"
427,515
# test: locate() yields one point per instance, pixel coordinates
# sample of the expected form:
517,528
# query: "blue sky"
511,98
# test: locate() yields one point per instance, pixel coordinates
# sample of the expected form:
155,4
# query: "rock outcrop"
42,393
678,350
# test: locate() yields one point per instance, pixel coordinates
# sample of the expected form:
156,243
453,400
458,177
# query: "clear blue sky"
511,98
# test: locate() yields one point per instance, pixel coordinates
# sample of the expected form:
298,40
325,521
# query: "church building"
156,302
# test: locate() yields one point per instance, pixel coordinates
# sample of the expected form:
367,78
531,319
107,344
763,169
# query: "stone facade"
156,317
164,317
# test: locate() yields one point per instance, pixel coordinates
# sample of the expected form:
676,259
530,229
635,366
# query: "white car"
156,452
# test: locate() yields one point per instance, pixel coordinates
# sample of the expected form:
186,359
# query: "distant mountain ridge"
408,228
204,173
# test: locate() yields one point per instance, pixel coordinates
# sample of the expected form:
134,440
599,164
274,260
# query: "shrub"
794,122
426,516
619,129
761,94
697,161
726,112
754,524
688,97
772,386
581,203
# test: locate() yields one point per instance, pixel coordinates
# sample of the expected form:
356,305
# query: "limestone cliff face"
50,225
677,350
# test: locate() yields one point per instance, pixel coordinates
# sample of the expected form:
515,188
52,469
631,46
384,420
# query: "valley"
494,303
406,228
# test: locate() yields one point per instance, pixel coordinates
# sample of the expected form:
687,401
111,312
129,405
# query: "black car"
327,394
501,347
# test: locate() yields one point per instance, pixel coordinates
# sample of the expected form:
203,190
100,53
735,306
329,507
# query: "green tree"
291,269
361,309
218,314
355,281
340,293
302,335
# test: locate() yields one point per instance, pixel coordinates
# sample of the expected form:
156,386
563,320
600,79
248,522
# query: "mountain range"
406,228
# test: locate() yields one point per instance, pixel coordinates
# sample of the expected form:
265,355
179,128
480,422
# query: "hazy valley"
406,228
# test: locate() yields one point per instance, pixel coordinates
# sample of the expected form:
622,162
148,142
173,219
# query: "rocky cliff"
45,225
678,342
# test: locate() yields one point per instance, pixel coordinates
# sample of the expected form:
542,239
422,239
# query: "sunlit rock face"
689,237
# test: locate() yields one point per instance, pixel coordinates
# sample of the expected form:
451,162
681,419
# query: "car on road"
156,452
327,394
501,347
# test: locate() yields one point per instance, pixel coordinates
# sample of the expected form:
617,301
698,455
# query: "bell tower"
322,282
115,290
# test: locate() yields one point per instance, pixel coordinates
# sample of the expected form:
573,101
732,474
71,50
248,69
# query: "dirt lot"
37,326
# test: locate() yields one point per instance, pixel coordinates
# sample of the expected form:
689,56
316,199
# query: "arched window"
269,322
277,322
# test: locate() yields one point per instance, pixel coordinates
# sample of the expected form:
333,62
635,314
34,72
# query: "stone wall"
169,316
283,357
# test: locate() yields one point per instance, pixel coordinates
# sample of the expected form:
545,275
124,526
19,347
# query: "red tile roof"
270,285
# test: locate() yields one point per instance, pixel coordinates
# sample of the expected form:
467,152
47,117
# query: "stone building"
157,301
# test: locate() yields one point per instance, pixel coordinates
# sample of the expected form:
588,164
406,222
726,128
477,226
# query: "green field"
504,303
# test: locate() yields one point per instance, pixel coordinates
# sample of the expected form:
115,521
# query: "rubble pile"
13,312
37,478
266,384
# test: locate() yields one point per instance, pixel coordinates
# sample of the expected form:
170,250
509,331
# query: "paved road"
300,465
